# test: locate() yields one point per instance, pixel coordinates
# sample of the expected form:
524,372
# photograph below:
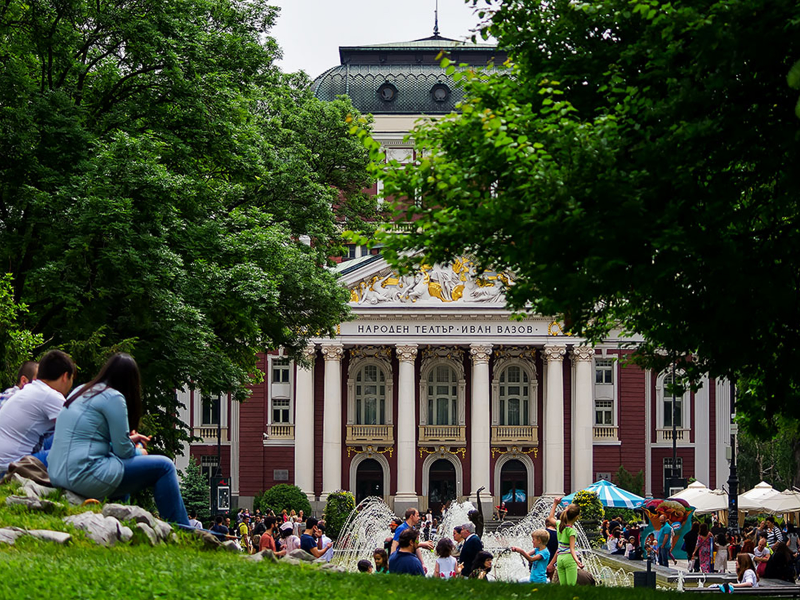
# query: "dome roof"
402,77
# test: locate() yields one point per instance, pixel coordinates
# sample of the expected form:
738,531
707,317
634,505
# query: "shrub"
591,507
339,506
282,497
627,514
195,493
630,482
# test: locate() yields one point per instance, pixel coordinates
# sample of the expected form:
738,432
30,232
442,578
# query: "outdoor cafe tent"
703,499
610,496
753,500
788,501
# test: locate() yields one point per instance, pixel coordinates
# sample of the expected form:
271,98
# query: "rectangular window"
208,465
677,472
603,412
678,412
280,371
210,410
604,370
280,410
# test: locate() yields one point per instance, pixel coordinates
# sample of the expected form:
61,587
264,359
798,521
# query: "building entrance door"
442,486
369,480
514,487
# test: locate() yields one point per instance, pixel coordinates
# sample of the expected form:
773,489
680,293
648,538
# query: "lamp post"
733,478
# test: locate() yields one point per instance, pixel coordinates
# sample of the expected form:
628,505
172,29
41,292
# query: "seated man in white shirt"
26,374
29,416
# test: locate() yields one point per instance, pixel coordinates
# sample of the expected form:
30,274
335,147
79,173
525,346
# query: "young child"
721,558
630,548
650,547
446,564
568,562
539,558
364,566
381,560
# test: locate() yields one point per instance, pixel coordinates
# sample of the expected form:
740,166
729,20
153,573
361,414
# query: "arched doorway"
442,484
369,479
514,487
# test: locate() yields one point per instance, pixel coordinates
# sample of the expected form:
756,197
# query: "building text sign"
444,328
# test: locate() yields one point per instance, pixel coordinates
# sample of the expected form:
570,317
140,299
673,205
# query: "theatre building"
432,391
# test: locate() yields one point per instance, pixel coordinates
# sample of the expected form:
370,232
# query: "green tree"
158,179
16,343
630,482
283,497
634,168
774,459
196,492
338,509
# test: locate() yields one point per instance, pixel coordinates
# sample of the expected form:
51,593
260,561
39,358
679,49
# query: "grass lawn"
33,569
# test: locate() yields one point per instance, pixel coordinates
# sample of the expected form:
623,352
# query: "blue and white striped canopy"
610,496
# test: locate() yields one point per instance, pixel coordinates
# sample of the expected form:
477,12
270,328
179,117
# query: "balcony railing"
280,431
209,432
442,434
665,435
516,435
606,433
379,435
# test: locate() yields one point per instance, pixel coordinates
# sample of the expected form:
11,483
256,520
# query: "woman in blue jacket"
95,452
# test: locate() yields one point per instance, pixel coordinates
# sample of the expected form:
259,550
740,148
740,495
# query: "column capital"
309,352
480,352
582,353
555,353
332,352
406,352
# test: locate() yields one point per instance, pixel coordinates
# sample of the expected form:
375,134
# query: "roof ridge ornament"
436,20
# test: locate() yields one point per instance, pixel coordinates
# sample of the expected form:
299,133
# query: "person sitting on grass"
404,561
364,566
96,451
381,560
289,541
539,558
482,565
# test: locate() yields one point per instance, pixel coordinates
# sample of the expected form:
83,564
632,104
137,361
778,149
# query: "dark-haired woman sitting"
94,451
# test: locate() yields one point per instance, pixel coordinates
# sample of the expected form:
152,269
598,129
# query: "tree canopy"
158,179
635,165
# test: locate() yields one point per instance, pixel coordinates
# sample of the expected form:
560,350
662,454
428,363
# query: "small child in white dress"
446,564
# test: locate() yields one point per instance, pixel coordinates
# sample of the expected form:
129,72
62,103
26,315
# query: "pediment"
376,283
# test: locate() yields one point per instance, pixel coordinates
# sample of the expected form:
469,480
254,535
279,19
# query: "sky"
310,32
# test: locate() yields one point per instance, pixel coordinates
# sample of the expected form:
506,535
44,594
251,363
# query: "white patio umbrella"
753,500
703,499
788,501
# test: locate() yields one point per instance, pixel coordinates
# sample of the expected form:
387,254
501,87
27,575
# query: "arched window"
442,396
370,396
514,395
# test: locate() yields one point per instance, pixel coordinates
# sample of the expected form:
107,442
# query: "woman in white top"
745,572
721,557
446,564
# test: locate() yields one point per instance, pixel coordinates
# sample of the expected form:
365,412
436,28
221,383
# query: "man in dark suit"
472,545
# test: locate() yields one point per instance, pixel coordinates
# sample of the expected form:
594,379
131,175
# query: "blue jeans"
44,448
157,472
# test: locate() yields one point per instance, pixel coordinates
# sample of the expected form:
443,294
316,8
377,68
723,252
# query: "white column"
406,430
582,426
184,415
304,406
648,438
332,424
723,429
702,435
554,423
480,421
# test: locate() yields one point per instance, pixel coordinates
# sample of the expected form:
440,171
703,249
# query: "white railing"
442,434
665,435
606,433
209,432
370,434
520,435
280,431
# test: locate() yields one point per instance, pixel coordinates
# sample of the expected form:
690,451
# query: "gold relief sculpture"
353,296
515,450
444,450
458,291
370,450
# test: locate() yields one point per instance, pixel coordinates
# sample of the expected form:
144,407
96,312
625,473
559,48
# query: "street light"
733,479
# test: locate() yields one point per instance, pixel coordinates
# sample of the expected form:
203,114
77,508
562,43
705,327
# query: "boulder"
163,530
105,531
150,532
209,539
290,560
332,567
301,555
265,554
9,535
231,546
59,537
31,503
125,512
31,489
73,498
125,533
